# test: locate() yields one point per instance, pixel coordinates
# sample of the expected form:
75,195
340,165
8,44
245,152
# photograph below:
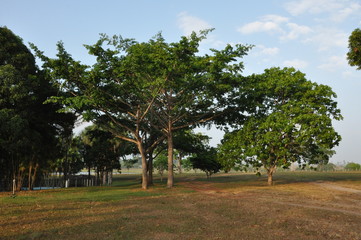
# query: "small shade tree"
206,160
161,164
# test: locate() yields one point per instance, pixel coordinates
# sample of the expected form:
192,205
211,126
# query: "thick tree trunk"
29,177
104,177
20,178
144,165
270,179
270,172
170,181
110,177
33,177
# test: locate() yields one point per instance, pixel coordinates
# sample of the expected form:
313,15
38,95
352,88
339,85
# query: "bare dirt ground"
333,208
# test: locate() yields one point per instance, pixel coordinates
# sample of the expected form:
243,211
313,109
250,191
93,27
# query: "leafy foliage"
354,45
102,151
29,128
144,91
161,164
206,160
353,166
293,123
129,163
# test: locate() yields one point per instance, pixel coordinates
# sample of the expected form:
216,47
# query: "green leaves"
293,122
354,45
29,128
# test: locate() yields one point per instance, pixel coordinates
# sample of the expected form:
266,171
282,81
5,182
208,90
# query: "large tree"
150,89
28,127
194,88
293,123
115,91
354,45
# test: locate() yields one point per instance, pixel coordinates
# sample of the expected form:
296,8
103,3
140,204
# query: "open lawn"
301,205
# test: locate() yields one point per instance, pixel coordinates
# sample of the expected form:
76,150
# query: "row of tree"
35,138
146,92
152,94
30,131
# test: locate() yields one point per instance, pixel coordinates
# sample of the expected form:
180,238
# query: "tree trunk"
110,177
97,177
104,176
180,163
161,175
150,168
65,166
29,177
270,172
20,178
33,176
170,181
144,165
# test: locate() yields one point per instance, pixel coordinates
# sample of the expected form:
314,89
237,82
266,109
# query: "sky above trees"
309,35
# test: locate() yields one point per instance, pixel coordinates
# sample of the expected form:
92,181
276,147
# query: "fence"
54,182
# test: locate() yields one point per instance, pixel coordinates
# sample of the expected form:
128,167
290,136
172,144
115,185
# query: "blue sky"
309,35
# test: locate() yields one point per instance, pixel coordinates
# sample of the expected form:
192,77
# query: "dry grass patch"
236,206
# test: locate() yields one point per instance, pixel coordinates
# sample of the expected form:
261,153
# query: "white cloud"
327,39
338,9
345,12
268,23
262,50
296,63
276,24
258,26
295,31
334,63
311,6
188,23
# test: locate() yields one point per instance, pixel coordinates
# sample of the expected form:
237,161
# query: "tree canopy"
293,123
354,45
28,128
154,93
146,91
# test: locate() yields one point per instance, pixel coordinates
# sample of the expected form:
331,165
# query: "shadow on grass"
280,178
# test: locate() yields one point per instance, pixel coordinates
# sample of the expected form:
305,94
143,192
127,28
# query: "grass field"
301,205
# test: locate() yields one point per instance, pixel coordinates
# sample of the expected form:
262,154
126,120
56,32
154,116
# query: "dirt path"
332,208
197,186
335,187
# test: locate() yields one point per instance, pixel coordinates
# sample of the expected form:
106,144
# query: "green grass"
227,206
